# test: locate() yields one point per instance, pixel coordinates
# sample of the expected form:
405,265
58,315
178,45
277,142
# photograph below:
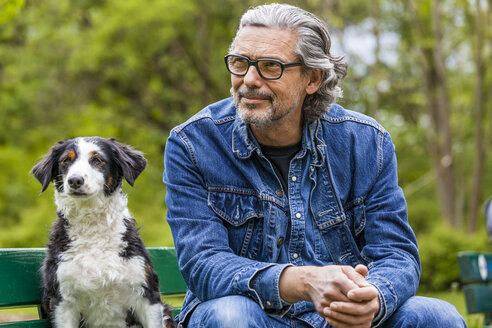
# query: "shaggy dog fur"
97,272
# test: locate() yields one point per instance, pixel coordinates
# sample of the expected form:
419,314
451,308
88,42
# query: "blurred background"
134,69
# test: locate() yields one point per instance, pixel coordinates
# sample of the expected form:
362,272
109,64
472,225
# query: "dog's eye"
97,161
66,161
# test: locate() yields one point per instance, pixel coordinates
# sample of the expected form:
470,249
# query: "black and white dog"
97,272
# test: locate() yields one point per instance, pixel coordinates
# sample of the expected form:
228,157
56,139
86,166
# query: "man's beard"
250,113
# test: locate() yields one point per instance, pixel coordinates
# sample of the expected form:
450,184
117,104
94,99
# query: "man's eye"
270,64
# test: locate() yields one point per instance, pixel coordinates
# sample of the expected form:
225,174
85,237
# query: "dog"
97,272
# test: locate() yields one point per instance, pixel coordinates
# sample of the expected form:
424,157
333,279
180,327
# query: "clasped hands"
341,294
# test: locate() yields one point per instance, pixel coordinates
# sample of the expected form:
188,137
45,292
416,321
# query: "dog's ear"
130,161
47,169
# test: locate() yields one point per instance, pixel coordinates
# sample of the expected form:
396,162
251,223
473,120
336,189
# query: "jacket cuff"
388,299
381,314
264,286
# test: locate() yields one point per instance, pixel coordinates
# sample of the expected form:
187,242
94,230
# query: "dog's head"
86,166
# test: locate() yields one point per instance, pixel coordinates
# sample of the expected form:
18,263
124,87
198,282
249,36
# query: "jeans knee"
426,312
228,312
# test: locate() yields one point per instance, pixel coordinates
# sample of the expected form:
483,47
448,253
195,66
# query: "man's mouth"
252,101
253,98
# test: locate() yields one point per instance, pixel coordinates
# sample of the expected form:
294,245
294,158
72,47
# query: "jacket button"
280,242
279,193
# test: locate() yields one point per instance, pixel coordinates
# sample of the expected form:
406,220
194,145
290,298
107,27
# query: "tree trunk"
204,50
443,139
376,69
478,171
432,61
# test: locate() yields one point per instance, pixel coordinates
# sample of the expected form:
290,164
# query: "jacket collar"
244,143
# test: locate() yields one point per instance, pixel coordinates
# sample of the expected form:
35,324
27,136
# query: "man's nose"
252,77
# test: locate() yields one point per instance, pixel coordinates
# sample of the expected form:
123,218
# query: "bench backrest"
20,278
476,277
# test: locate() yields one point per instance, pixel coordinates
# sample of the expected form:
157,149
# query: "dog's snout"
75,182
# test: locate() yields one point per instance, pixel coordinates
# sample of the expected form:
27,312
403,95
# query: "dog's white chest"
99,270
92,272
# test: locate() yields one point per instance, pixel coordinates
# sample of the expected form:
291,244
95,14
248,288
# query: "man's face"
264,102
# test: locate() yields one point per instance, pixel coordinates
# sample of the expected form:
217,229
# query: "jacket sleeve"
390,243
207,263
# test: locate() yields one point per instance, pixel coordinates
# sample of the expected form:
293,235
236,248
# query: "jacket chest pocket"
333,228
242,214
335,240
356,220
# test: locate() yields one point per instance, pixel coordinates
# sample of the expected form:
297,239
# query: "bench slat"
27,324
478,298
476,275
20,278
166,266
475,267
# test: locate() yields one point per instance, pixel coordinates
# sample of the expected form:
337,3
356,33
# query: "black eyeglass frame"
283,65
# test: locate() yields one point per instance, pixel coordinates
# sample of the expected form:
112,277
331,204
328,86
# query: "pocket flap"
235,206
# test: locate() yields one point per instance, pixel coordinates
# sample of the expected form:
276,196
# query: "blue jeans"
242,312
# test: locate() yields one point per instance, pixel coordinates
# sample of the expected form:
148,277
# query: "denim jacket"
231,219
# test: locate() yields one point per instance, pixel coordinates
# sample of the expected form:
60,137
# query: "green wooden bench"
20,280
476,277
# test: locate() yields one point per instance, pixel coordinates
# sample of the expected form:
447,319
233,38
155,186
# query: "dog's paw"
169,322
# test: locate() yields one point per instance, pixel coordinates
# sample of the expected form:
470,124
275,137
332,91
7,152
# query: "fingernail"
334,306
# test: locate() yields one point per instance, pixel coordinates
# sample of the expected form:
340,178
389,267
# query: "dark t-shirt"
280,158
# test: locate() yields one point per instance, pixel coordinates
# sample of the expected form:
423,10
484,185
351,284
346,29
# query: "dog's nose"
75,182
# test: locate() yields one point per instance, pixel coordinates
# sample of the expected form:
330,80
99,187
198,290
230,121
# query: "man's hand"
359,311
339,293
320,285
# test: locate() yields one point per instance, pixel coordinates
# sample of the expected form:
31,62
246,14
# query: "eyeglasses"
268,68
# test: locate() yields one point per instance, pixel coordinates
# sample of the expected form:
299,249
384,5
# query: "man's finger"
362,270
355,276
363,294
352,309
350,320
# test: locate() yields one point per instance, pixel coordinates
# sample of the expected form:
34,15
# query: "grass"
454,297
18,314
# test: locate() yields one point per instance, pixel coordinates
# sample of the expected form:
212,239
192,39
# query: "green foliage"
17,195
133,70
9,9
109,68
438,249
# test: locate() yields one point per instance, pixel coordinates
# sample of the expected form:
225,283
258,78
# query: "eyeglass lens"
267,68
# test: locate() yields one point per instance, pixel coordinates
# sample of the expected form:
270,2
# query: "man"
284,207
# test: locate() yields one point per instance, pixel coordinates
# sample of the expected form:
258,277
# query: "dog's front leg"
66,316
150,316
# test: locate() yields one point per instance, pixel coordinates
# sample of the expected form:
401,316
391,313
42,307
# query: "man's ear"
315,78
131,162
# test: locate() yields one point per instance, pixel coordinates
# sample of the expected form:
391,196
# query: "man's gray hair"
313,49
